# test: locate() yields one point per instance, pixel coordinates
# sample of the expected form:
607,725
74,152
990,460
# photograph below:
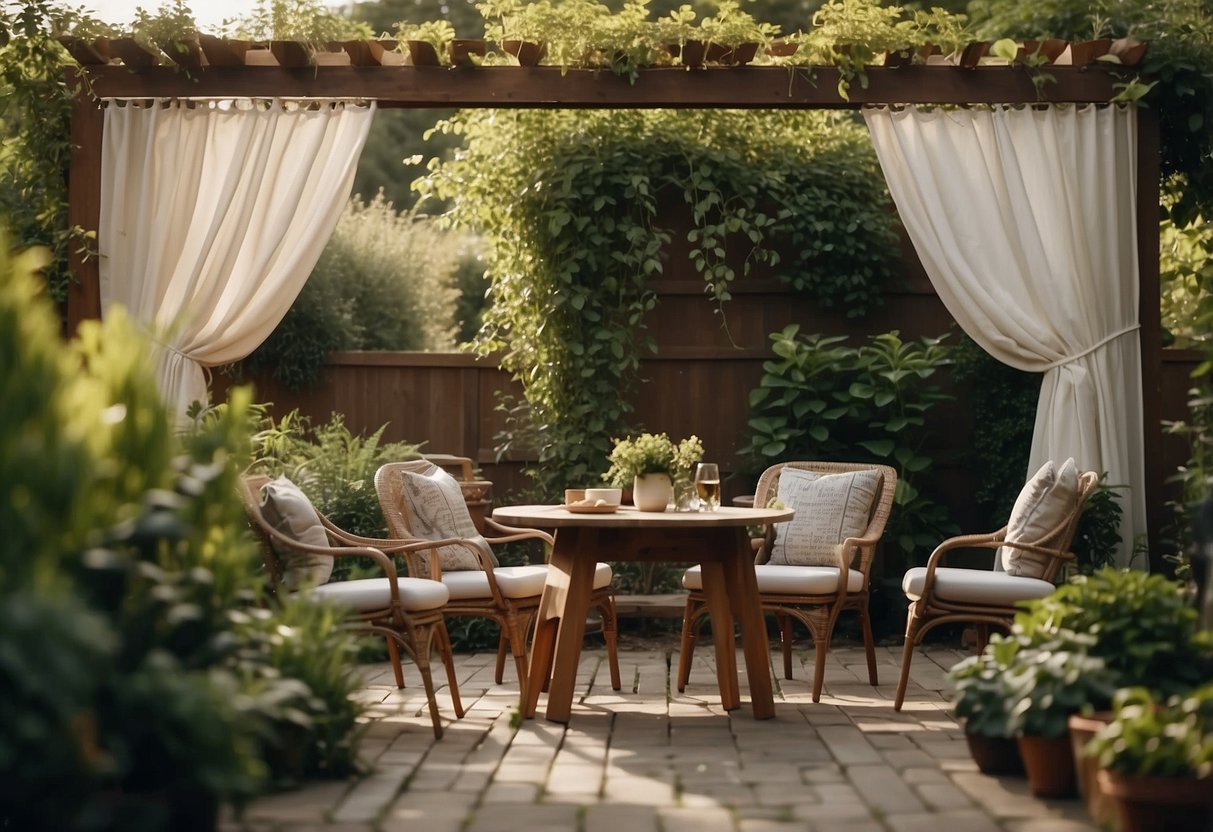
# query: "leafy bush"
335,468
1158,739
385,281
125,576
1143,626
820,398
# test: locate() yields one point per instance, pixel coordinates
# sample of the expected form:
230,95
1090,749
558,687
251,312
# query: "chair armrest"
513,533
967,541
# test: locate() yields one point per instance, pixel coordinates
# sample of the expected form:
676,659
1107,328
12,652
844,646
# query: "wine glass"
707,485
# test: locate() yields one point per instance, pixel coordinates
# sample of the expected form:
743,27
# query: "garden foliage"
133,692
575,207
385,281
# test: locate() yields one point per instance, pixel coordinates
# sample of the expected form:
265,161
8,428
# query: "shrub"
385,281
335,468
125,572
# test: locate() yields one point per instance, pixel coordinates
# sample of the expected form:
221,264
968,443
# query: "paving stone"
531,817
971,820
883,790
621,819
699,819
848,745
943,796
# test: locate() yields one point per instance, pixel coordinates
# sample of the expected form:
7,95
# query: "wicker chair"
407,612
939,594
812,595
509,595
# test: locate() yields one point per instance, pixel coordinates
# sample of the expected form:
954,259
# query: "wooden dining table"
717,540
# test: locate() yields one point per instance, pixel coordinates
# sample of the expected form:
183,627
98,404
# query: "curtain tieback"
170,348
1107,340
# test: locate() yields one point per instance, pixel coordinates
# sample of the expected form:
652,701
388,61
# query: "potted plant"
854,34
171,30
733,36
427,42
1142,627
651,464
1047,684
627,41
983,701
1157,760
682,38
561,29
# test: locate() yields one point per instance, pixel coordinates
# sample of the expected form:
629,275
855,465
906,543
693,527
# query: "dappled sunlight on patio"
645,758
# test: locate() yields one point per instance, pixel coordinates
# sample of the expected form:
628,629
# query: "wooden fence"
697,383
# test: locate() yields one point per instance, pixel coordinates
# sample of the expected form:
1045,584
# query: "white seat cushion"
513,581
416,594
1046,500
829,509
976,586
780,579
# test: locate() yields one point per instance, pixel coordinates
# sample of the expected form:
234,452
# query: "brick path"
649,760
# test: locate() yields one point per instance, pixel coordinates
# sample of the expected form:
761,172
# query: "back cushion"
289,511
829,509
1046,500
434,505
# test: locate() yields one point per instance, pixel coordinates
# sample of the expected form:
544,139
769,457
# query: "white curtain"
1024,219
213,214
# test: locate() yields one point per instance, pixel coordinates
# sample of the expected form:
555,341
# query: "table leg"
715,581
574,569
743,596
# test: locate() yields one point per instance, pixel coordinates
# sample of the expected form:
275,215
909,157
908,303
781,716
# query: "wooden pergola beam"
544,87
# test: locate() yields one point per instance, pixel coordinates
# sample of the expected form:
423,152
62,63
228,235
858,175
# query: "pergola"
756,87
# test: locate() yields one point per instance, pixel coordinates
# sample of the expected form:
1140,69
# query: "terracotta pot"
223,51
1159,804
1082,729
782,48
1049,765
973,53
133,53
1083,53
1130,51
462,50
527,52
692,53
652,492
995,755
422,53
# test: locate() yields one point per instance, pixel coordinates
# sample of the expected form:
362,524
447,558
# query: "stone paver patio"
648,759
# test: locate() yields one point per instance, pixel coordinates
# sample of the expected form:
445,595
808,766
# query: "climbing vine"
572,205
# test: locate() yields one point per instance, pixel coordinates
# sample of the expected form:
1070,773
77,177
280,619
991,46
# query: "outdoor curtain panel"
1024,218
213,214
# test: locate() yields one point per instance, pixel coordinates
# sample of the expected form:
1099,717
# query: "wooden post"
84,201
1150,317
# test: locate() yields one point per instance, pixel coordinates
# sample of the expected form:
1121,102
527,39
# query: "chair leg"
448,661
821,646
514,629
422,643
983,637
785,641
610,631
869,643
503,643
907,654
686,649
393,653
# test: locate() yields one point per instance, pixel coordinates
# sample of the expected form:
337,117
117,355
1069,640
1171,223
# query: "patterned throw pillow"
436,510
288,510
1045,501
829,509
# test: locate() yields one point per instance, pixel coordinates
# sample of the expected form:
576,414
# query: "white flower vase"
652,492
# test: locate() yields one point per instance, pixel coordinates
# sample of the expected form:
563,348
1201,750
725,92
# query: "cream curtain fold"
1024,219
213,214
